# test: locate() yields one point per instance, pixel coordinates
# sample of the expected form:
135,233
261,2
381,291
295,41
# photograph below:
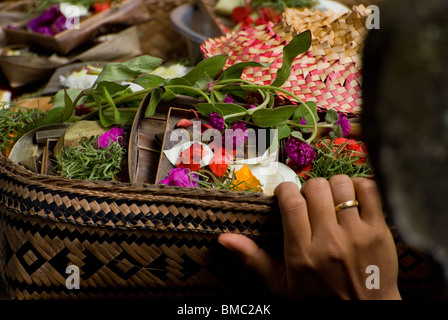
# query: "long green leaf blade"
210,67
129,69
298,45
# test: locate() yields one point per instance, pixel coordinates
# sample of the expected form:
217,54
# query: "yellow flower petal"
245,180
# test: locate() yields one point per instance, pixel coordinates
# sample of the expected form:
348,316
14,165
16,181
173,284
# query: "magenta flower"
236,135
300,153
51,22
180,177
216,121
110,137
345,125
229,99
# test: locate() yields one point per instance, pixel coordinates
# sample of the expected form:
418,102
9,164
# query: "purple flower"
216,121
51,22
303,121
300,153
109,137
236,135
229,99
345,125
251,106
180,177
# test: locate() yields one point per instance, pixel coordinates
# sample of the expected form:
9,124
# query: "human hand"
326,253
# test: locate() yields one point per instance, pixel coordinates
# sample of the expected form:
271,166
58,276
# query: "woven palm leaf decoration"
329,74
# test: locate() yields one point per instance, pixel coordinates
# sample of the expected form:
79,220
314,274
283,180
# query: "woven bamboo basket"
140,240
129,241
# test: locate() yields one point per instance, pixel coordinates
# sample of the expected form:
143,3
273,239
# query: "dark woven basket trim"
207,198
31,200
35,254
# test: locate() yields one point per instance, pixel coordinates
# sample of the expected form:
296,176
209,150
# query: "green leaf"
167,94
331,117
283,131
297,135
111,87
68,108
58,99
217,96
184,90
177,82
235,71
337,129
210,67
302,112
203,81
206,108
106,119
229,108
110,101
223,109
149,81
298,45
179,86
272,117
234,89
156,96
127,70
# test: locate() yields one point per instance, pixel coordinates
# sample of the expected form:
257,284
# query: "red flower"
100,6
266,15
300,170
242,15
350,146
191,157
220,161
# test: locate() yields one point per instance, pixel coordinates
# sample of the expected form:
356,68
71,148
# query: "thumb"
256,258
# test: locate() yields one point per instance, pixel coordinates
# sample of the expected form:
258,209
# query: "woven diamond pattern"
328,74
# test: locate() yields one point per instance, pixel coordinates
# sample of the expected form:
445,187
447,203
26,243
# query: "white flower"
78,80
174,71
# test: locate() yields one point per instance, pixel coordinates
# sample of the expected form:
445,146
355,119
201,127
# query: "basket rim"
214,211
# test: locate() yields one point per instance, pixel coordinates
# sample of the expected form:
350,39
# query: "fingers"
267,267
319,198
293,208
343,190
370,206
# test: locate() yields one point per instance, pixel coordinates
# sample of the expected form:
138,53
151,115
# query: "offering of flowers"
58,15
60,27
232,112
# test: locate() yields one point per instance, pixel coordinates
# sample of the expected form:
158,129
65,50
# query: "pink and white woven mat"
328,74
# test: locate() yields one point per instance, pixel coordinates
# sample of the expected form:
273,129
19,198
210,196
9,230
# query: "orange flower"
245,180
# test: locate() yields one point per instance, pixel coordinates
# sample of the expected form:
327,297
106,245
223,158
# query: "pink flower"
180,177
109,137
345,125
